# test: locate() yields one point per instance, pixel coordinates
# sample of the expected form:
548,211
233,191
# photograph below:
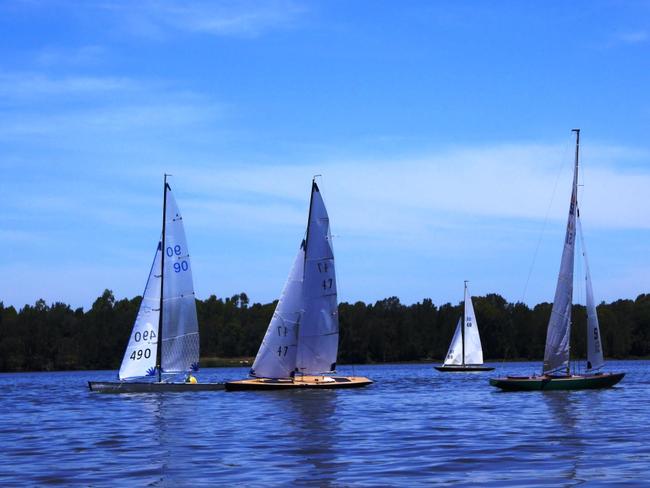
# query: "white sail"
455,352
180,330
556,352
595,358
141,352
319,327
276,357
473,349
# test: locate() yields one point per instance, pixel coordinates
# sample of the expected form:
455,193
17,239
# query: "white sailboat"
164,342
556,372
465,351
300,346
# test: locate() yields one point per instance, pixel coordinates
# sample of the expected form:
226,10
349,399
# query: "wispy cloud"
72,107
33,85
146,117
158,18
463,210
57,56
504,182
634,37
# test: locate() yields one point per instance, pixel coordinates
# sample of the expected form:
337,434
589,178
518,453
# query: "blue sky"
441,129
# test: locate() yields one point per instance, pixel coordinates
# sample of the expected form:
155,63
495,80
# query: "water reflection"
569,411
314,431
412,428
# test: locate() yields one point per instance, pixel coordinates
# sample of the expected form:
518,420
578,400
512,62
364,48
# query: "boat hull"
315,382
133,387
462,369
547,383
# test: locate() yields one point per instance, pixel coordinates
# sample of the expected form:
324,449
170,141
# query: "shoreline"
243,362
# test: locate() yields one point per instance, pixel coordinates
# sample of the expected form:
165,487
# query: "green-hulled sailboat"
556,373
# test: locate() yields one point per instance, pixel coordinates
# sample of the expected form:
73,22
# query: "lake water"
413,427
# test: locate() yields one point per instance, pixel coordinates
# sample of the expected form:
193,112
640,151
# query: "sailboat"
300,346
556,372
164,342
465,351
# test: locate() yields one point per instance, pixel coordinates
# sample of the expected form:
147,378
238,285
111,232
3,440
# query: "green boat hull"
548,383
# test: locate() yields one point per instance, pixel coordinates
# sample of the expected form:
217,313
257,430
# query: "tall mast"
575,178
575,204
162,284
462,329
314,187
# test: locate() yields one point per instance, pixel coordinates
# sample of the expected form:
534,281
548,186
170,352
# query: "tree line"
44,337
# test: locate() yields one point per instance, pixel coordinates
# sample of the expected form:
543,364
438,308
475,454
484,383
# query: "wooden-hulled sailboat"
556,374
301,343
465,351
164,342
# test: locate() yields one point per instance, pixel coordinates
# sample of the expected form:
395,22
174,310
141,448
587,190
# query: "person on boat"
190,379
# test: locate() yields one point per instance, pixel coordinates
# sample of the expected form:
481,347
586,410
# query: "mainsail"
276,357
140,356
180,330
473,349
318,335
556,353
595,358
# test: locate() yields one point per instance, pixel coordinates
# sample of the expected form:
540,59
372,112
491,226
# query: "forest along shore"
47,337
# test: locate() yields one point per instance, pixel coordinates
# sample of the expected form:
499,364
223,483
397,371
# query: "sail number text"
140,353
176,251
324,267
147,335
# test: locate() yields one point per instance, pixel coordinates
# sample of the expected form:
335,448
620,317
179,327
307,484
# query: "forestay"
556,353
319,326
276,357
140,356
180,331
595,358
455,352
473,349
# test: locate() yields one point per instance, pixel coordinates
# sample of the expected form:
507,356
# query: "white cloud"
406,226
57,56
410,196
72,107
634,37
34,85
157,18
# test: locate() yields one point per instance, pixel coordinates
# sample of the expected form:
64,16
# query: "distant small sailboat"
300,346
165,335
556,374
465,351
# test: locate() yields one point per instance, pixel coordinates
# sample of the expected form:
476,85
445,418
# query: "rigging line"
548,211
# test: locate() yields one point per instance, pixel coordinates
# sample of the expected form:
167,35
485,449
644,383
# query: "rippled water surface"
413,427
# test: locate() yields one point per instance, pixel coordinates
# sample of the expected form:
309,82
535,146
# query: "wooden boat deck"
143,387
321,382
552,382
